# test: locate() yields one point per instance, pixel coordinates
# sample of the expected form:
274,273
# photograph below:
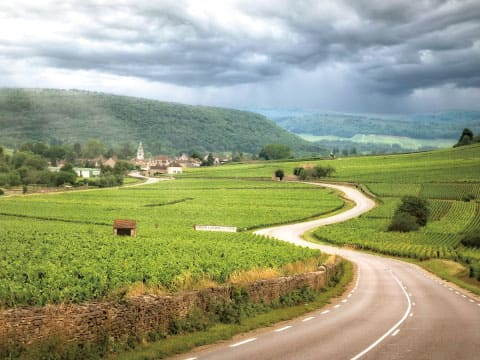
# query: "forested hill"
70,116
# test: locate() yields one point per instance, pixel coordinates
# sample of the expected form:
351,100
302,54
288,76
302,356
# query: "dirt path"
148,180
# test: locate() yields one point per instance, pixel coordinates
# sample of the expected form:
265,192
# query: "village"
147,166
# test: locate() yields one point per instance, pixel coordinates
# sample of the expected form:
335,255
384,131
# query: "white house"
87,172
174,168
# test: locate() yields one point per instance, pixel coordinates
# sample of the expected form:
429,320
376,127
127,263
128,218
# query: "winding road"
394,310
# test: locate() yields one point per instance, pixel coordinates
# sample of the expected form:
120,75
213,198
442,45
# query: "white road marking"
243,342
283,328
414,304
411,314
344,300
471,300
396,332
325,312
308,319
463,296
349,295
337,306
192,358
393,328
456,292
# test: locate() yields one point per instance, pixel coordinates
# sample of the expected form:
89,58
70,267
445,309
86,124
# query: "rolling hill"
376,131
69,116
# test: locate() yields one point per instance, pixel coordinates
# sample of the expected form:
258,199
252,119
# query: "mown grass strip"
169,202
178,344
47,218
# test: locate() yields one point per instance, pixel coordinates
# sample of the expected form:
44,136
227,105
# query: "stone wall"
91,322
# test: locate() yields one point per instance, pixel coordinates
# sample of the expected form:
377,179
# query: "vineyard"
449,179
60,248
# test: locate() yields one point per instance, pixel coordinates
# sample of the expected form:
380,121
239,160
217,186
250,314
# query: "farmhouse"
174,168
87,172
125,227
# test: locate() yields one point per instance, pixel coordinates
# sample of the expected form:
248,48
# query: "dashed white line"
192,358
456,292
283,328
471,301
414,304
243,342
349,295
463,296
308,318
411,314
337,306
325,312
393,328
396,332
344,300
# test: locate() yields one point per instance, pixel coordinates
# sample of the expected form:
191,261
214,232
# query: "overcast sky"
360,55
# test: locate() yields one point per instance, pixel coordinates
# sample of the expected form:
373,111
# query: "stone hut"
125,227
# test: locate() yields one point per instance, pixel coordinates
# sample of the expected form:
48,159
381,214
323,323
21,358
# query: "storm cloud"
376,54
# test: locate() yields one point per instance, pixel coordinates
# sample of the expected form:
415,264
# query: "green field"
60,247
444,177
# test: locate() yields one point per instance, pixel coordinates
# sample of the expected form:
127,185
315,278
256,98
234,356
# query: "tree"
93,148
275,151
210,160
466,138
77,148
410,215
416,207
403,222
279,174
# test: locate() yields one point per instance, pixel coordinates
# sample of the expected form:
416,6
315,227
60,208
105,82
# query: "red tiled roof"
124,224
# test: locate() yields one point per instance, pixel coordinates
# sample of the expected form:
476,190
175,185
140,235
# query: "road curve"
148,180
394,311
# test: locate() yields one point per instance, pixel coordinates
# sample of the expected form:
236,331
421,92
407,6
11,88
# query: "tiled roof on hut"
124,224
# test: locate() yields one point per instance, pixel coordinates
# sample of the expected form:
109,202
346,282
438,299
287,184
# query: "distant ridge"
69,116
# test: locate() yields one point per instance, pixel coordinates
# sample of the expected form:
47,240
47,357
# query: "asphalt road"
394,310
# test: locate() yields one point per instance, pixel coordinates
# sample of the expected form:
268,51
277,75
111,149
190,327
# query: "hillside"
376,131
69,116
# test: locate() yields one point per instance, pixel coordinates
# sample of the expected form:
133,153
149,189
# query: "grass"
451,271
182,343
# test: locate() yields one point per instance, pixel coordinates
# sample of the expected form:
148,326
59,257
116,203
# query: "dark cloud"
390,47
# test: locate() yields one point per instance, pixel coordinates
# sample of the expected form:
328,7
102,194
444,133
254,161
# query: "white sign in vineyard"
215,228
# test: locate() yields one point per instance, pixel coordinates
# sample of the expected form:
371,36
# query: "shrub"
471,239
403,222
316,172
416,207
279,174
468,198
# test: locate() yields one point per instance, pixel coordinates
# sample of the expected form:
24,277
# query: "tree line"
29,164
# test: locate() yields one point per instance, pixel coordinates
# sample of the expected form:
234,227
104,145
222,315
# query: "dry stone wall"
93,321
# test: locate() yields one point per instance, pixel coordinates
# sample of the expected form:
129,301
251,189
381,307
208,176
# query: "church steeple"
140,153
